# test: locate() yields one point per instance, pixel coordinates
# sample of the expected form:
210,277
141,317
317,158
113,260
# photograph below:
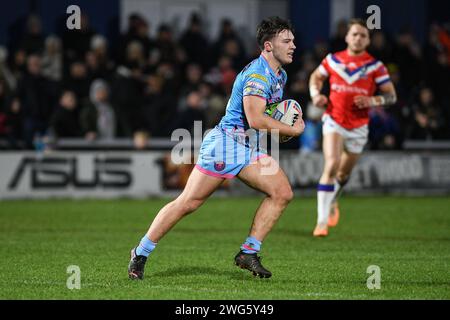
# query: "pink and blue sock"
251,245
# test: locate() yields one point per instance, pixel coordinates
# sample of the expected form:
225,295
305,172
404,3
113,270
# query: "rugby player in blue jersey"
229,151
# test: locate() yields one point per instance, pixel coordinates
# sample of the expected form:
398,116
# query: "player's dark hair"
357,21
269,28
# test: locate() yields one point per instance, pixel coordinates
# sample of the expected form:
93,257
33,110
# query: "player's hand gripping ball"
287,111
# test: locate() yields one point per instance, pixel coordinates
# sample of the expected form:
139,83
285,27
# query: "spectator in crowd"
438,69
140,139
36,100
380,48
444,39
64,122
128,88
226,33
193,109
407,55
6,75
14,123
78,81
165,47
192,79
52,59
222,76
138,30
311,138
98,119
159,107
384,130
299,89
227,74
3,99
97,59
309,62
398,115
338,43
195,43
172,75
33,39
135,55
320,50
18,65
215,102
93,66
429,124
232,50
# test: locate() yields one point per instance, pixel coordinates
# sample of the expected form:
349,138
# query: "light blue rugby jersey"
256,79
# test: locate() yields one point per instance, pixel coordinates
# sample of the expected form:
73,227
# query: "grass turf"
408,238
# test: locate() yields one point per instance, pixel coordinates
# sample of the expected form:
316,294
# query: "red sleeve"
324,67
381,75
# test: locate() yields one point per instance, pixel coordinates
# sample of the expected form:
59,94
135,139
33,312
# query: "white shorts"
354,139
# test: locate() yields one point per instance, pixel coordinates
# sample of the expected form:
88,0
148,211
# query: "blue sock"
145,247
251,245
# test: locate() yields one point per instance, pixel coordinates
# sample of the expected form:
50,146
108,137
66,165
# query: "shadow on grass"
236,274
191,271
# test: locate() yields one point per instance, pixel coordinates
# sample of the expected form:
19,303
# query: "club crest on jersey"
219,165
363,72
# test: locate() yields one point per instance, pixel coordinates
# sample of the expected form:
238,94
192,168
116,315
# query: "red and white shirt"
351,76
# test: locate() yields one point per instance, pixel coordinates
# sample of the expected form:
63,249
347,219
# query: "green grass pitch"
408,238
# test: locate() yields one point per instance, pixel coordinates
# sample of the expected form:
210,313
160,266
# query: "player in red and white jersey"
355,77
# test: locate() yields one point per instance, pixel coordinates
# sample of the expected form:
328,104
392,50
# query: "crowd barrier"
141,174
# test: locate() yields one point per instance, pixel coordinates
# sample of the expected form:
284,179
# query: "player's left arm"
387,95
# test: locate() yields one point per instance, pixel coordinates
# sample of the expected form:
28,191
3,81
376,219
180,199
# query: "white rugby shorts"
354,139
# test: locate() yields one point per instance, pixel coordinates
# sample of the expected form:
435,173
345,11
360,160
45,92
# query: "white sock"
325,195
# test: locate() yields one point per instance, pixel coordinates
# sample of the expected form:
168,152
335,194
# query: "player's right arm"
315,86
254,108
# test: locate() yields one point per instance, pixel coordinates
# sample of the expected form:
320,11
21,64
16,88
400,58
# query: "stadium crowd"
79,85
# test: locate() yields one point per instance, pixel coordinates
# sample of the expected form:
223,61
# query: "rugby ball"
287,111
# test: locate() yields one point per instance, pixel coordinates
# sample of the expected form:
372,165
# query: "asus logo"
57,172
